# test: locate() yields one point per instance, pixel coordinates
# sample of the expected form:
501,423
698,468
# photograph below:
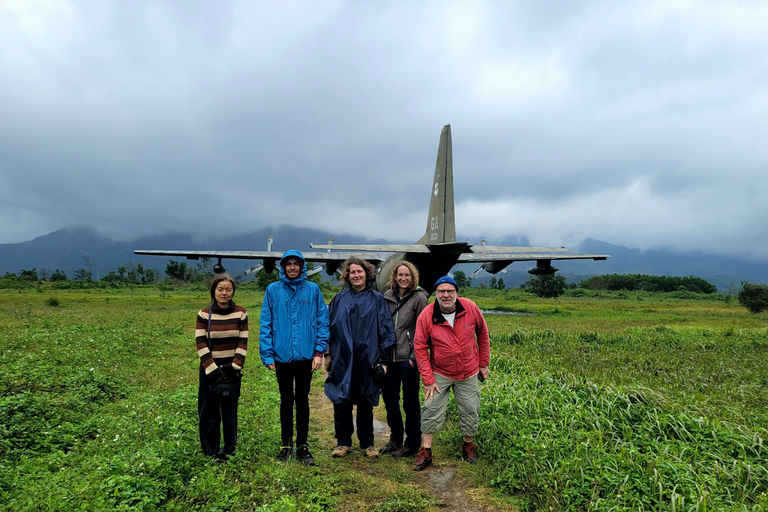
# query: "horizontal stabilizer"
482,249
415,248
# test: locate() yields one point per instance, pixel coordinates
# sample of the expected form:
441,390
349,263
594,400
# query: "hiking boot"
405,451
341,451
221,457
469,453
285,453
371,452
303,455
423,459
390,447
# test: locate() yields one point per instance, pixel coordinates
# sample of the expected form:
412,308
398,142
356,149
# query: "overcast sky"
643,124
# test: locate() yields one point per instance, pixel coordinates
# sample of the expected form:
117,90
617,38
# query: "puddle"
505,313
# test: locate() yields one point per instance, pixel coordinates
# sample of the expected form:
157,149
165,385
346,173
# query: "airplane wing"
332,260
525,256
498,261
424,249
261,255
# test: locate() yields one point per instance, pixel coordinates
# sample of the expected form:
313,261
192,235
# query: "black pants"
294,381
408,375
342,419
213,413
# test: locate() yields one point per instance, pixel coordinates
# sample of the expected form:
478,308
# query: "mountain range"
66,249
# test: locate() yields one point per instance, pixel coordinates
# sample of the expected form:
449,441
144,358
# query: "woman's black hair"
219,278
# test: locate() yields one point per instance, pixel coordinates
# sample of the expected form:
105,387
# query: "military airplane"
434,254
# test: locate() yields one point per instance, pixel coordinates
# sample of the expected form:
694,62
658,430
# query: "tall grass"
626,403
652,419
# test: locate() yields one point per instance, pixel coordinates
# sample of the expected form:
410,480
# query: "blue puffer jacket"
294,318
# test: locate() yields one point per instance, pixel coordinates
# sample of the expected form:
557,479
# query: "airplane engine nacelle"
269,266
331,267
542,268
494,267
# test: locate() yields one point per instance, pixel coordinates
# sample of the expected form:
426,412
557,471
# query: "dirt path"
445,480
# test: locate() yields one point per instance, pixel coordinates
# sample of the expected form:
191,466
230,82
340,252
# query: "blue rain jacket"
294,318
361,329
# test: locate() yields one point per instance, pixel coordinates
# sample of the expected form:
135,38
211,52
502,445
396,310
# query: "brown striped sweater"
229,337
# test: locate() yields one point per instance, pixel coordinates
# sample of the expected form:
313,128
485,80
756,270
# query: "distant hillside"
64,249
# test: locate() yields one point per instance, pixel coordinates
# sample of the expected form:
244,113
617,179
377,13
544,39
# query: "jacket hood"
293,254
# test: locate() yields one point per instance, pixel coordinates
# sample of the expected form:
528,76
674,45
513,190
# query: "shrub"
546,286
754,297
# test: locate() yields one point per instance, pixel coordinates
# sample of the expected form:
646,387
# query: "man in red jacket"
452,349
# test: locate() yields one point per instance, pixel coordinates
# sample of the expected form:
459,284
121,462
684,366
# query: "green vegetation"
754,297
647,283
596,401
546,286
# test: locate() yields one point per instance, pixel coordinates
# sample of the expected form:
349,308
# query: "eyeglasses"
450,291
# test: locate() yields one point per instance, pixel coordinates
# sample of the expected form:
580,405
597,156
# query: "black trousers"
407,375
294,381
213,413
342,419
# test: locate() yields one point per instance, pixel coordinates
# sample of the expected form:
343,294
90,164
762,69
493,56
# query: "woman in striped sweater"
221,335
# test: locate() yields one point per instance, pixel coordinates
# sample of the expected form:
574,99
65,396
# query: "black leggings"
294,380
215,414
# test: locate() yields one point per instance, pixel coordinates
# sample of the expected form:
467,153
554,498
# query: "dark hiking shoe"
303,455
405,451
423,459
390,447
469,453
286,452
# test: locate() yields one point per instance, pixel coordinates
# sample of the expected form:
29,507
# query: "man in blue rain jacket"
292,339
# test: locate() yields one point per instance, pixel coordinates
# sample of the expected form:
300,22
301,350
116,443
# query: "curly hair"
392,283
370,271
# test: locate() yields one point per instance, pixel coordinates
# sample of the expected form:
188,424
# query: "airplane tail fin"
441,224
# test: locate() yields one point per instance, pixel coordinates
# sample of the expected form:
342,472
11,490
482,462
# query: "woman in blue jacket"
361,332
292,340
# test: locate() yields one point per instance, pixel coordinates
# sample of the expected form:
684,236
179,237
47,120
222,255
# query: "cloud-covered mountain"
68,249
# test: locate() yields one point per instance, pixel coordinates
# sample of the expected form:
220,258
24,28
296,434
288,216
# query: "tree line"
754,297
648,283
132,273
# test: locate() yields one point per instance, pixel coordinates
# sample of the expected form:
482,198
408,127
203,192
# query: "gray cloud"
637,123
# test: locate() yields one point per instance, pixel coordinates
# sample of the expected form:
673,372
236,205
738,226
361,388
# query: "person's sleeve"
483,338
332,307
386,330
322,327
242,345
201,343
419,303
421,348
266,346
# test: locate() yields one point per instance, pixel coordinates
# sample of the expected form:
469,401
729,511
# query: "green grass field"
608,402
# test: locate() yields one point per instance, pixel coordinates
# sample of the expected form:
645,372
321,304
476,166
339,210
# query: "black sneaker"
469,453
303,455
286,452
390,447
423,460
405,451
